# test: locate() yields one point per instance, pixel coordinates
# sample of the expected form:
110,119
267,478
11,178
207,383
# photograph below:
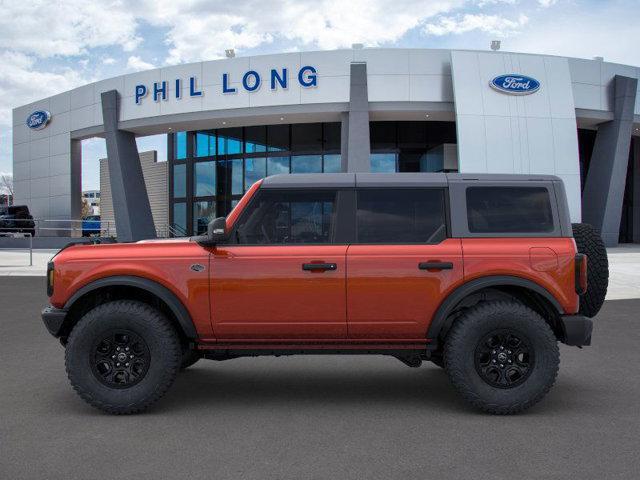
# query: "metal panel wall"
530,134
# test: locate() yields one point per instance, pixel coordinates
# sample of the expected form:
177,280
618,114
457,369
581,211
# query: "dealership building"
231,122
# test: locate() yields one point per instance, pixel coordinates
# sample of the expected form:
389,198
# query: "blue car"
91,226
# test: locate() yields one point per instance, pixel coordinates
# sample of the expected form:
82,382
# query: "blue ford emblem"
38,119
515,84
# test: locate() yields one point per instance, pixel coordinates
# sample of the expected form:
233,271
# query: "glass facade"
406,146
211,169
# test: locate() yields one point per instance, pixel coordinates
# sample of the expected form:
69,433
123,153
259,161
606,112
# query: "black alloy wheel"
120,359
504,358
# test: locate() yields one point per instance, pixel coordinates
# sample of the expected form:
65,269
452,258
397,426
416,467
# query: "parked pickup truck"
480,274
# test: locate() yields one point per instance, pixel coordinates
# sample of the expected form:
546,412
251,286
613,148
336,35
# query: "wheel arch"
133,287
530,292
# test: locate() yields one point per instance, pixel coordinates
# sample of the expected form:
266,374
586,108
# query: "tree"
6,186
86,208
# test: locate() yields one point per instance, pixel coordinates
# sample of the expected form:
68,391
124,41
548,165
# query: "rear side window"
401,216
509,209
288,217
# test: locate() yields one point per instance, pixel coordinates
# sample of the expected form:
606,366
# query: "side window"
401,216
279,217
509,210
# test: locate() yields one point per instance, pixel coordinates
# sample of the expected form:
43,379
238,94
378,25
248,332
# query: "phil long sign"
250,81
515,84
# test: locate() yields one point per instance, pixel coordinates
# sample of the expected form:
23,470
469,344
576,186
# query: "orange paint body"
375,294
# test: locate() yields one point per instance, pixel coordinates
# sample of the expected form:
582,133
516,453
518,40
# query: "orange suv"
480,274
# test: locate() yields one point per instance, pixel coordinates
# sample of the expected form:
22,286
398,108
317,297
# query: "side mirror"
217,231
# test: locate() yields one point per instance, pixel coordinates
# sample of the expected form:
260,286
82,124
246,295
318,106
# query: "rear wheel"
122,356
502,357
589,242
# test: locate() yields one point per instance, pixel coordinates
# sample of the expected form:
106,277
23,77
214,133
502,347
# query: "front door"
401,264
281,276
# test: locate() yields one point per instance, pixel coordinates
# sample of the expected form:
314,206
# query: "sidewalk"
624,267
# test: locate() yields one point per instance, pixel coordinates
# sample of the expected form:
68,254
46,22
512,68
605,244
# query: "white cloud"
547,3
108,61
202,31
492,24
136,63
46,28
20,83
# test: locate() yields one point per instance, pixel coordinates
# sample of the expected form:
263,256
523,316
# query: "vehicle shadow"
204,386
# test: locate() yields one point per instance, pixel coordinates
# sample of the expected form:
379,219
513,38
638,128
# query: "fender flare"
466,289
151,286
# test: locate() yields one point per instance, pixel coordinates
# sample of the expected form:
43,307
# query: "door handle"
315,267
435,266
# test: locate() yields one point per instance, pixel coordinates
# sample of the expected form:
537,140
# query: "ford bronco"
482,275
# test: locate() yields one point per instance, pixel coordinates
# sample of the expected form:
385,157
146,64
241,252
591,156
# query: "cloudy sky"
47,47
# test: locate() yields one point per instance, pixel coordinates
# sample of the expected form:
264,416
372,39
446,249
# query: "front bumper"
576,330
53,319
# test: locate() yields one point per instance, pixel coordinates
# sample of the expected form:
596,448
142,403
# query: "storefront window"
278,137
203,213
276,165
180,218
306,164
180,180
230,141
255,139
383,162
204,179
236,177
332,164
254,170
205,144
180,146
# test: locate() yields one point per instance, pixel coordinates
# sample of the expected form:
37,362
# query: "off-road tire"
149,324
589,242
189,357
468,332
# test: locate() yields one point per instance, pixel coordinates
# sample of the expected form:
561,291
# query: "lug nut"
509,361
501,366
501,348
130,356
113,356
509,352
127,349
493,351
117,364
118,349
493,361
126,364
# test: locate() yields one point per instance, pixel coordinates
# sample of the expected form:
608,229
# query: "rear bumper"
53,319
576,330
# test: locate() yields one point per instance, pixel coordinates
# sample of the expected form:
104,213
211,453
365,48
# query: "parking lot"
316,417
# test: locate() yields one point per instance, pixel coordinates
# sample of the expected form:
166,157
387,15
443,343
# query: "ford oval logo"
515,84
38,119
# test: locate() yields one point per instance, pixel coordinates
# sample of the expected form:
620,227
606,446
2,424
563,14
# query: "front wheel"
122,356
502,357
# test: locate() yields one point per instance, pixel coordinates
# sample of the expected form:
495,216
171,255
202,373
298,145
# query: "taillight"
581,273
50,274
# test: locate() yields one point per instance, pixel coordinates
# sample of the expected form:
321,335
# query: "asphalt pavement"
316,417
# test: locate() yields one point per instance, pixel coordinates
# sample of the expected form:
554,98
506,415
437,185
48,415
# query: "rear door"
283,277
402,262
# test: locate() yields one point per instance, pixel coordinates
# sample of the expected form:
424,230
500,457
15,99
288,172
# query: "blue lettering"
225,84
141,91
310,80
275,77
192,88
256,81
178,91
157,90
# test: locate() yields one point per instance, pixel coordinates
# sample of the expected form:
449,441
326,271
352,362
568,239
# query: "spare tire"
589,242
